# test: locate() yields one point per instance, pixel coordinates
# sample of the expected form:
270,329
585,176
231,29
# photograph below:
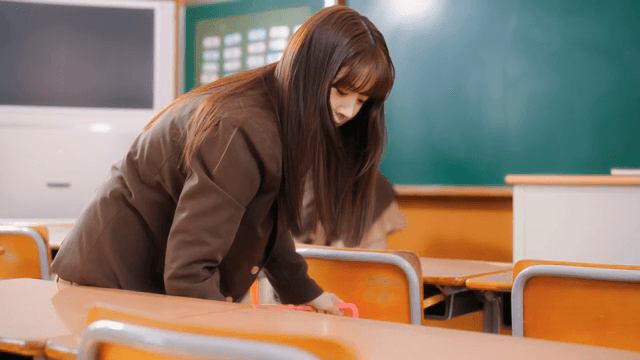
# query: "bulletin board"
226,37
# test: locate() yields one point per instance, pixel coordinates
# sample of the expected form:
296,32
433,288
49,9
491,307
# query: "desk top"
32,311
575,180
500,282
374,340
454,272
453,191
58,315
57,232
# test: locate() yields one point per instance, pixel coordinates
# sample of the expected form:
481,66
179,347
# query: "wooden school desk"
33,311
446,279
57,232
493,288
495,283
498,282
44,313
372,340
455,272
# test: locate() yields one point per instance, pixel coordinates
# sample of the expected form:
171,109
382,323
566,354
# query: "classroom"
355,179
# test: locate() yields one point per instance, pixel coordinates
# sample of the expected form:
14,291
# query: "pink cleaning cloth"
353,310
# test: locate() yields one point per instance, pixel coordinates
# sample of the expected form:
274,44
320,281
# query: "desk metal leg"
458,301
491,312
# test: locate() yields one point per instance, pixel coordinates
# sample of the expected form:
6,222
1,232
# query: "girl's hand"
326,303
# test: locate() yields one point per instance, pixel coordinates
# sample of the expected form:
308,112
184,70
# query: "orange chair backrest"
323,348
581,310
20,256
380,291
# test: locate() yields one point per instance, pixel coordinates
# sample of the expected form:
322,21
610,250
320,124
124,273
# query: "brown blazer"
201,233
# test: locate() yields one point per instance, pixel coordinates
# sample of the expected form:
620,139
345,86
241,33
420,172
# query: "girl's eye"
341,92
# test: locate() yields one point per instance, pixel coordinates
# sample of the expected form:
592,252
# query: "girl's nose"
349,109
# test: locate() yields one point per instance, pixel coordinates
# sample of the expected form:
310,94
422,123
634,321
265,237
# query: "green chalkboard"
487,88
225,37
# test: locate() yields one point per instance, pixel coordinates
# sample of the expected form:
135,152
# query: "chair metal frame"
579,272
415,303
168,342
43,249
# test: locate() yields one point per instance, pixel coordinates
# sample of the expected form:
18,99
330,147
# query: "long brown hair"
341,48
214,96
342,161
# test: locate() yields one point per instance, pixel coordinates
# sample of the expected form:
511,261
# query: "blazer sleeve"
224,176
286,270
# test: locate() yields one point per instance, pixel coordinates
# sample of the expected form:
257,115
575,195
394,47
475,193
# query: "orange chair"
384,285
106,339
114,333
24,252
577,302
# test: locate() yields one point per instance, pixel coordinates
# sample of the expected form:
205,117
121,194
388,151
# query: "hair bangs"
372,76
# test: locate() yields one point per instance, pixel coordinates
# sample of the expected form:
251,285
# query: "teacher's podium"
579,218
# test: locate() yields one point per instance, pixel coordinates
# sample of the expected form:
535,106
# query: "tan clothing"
201,233
387,217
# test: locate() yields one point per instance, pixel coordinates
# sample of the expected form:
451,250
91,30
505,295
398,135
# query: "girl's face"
345,104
